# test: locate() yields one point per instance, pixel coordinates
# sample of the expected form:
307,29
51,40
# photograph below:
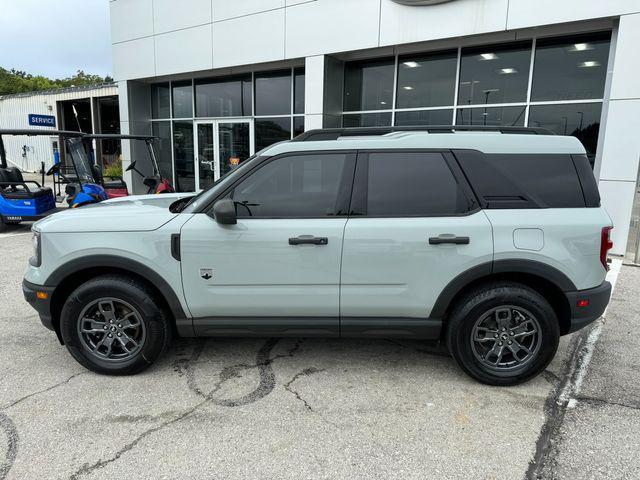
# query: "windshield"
80,160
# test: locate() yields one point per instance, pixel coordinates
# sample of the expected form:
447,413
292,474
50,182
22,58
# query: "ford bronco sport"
493,241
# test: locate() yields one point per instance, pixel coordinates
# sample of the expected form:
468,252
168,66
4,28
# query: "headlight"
36,260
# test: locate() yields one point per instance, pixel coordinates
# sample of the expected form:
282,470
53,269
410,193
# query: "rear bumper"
598,299
42,306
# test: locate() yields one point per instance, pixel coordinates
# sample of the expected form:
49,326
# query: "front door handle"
448,238
308,240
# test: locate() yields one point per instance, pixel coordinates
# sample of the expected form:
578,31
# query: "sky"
55,38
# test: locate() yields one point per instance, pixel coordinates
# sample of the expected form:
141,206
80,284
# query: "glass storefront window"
492,116
426,81
367,119
273,93
183,156
162,148
160,101
182,99
298,126
298,90
570,68
494,74
424,117
224,97
368,85
581,120
271,130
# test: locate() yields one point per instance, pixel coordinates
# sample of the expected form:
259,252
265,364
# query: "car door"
414,227
277,271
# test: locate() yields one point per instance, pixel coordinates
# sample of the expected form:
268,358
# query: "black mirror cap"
224,212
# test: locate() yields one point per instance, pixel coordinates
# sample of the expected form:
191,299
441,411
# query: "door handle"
448,238
308,240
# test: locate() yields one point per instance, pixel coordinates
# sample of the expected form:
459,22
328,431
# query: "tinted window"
182,98
570,68
496,116
427,81
424,117
419,184
367,120
494,74
523,181
160,100
298,126
162,148
183,155
295,186
298,91
272,130
581,120
229,97
368,85
273,93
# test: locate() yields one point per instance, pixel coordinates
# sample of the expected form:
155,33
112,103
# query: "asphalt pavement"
314,408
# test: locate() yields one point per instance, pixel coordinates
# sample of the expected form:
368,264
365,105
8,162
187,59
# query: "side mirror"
224,212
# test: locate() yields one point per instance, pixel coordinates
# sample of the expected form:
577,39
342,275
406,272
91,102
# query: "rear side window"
523,181
408,184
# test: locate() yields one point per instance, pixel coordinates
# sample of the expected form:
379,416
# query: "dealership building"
218,80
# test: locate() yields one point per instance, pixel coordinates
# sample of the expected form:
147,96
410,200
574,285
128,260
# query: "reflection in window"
273,93
367,120
424,117
162,148
492,116
494,74
225,97
298,90
368,85
426,81
182,98
183,155
298,126
271,130
579,120
160,101
570,68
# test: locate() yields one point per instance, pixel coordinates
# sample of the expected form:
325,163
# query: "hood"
136,213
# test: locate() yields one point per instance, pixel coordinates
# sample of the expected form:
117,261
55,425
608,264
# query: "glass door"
221,146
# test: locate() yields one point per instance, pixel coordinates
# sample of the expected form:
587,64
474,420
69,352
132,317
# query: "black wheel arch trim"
531,267
183,321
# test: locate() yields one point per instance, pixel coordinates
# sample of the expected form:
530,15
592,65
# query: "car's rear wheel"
503,333
114,325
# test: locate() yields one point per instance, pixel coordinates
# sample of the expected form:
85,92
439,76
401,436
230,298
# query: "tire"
515,313
124,328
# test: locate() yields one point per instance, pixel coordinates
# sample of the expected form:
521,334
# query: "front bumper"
41,305
597,299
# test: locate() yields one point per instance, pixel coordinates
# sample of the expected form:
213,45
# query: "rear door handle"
308,240
448,238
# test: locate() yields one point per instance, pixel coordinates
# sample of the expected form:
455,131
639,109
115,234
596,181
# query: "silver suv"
492,241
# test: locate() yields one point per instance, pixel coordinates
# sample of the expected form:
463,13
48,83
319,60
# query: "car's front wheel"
114,325
503,333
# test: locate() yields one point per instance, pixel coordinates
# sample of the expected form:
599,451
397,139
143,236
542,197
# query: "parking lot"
314,408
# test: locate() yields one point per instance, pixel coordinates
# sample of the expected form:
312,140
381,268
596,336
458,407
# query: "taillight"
605,245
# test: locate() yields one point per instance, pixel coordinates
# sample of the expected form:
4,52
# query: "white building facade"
218,80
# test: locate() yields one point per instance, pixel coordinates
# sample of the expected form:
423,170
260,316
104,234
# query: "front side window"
412,184
292,186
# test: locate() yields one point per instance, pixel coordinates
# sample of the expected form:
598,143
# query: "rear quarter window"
523,181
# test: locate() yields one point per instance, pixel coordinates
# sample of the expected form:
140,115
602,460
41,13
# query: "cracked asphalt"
313,408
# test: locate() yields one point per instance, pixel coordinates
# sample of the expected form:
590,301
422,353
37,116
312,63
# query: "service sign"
36,120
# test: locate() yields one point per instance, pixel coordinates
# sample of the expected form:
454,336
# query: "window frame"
345,188
358,205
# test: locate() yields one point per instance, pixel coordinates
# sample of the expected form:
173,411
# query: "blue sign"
36,120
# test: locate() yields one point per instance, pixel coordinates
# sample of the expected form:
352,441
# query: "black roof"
117,136
35,132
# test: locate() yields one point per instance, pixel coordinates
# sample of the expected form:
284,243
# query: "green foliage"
114,169
16,81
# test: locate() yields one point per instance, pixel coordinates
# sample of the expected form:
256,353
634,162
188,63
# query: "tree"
17,81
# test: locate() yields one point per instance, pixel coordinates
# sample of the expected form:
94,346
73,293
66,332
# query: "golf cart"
113,185
24,200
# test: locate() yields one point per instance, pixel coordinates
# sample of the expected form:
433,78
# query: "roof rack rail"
335,133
